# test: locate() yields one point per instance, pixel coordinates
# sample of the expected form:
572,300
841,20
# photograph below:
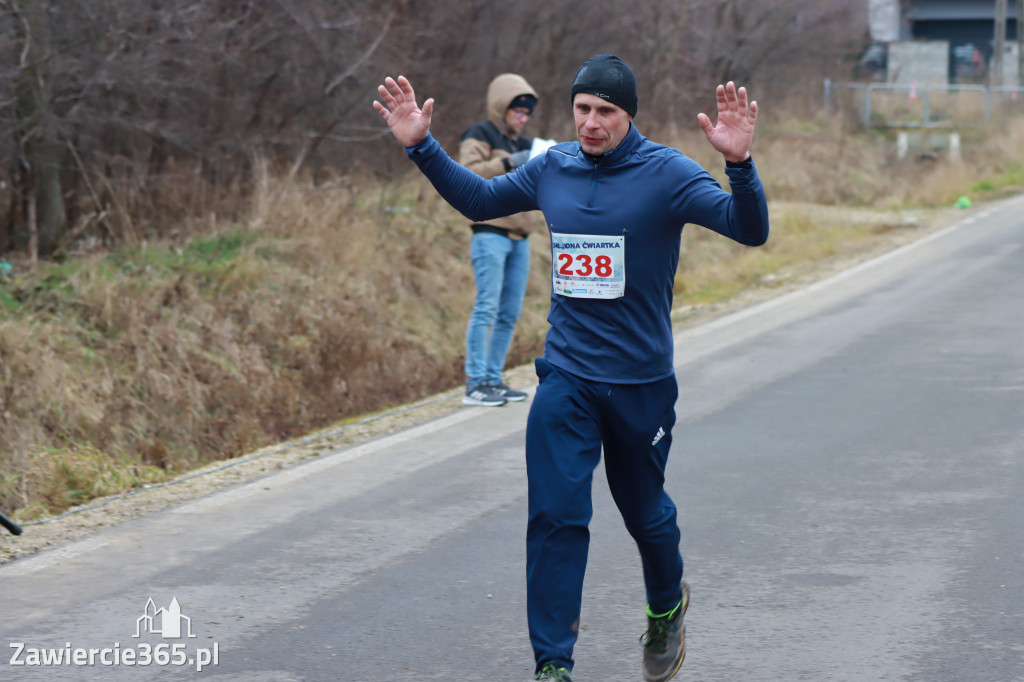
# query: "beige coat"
485,144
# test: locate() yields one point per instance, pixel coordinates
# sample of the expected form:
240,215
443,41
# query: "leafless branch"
362,58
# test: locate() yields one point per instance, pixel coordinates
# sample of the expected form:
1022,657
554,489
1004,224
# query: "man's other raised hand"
408,123
733,133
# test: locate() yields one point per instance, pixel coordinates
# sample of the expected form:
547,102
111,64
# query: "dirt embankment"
104,513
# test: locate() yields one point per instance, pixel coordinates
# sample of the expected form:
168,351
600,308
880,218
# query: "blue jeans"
501,266
570,420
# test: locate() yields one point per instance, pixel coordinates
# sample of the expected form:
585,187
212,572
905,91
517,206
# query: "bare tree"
36,173
158,106
127,119
782,46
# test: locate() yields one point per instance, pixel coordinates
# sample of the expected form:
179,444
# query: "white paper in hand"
540,145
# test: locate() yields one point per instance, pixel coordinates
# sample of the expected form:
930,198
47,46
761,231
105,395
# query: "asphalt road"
847,461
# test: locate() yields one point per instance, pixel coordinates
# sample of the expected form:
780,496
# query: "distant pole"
996,78
1020,42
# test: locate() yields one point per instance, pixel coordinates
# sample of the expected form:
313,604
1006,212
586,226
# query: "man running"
615,205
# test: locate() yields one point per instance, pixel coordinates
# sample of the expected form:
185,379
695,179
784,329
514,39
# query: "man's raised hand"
409,124
734,132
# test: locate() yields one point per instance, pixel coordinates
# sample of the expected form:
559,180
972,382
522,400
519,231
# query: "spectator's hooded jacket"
485,145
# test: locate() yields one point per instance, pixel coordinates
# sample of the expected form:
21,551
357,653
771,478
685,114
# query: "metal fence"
908,105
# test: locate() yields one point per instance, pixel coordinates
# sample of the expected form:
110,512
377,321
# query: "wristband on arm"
746,164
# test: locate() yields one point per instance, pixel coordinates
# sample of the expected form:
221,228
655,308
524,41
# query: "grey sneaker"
665,642
485,395
508,393
552,672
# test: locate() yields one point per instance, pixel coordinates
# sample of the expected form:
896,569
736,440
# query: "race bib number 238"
588,266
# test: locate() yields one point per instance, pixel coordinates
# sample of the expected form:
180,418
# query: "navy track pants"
570,419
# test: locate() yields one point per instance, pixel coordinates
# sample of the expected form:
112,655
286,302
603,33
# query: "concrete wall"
1009,65
925,62
884,20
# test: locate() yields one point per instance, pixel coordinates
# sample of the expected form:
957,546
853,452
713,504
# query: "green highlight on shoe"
552,672
664,641
667,614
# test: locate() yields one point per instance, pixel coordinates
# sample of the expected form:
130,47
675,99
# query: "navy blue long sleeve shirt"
640,191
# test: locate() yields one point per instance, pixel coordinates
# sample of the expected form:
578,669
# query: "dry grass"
121,368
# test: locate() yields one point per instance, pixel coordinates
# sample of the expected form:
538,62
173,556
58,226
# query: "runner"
615,205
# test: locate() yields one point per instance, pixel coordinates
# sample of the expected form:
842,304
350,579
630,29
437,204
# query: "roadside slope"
83,521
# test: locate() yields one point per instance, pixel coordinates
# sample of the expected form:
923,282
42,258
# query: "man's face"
516,118
600,125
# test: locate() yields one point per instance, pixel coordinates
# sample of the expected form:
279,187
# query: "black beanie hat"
526,101
607,77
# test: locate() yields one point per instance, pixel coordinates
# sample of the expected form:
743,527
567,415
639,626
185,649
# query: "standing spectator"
500,247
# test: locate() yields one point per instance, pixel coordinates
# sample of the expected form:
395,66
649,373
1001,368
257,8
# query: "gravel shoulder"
103,513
